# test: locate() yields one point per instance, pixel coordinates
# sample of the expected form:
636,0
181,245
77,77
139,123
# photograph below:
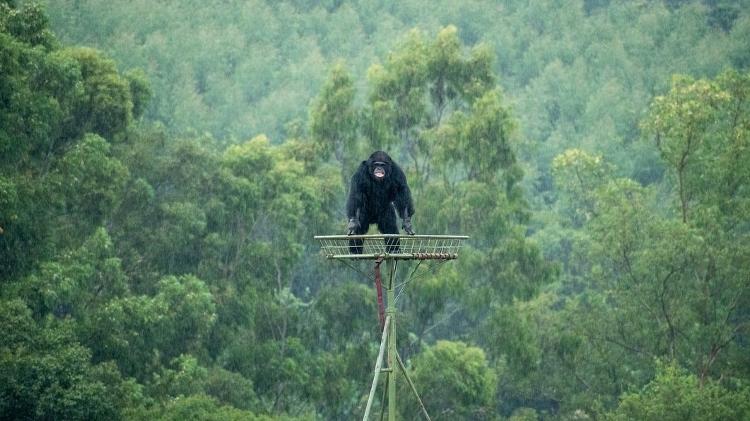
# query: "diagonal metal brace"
378,364
411,385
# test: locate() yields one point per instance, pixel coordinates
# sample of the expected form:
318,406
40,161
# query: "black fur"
377,201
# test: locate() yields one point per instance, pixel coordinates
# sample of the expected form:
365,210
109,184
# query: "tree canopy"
165,165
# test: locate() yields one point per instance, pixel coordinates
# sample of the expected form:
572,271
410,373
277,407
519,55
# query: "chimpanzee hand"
352,226
407,226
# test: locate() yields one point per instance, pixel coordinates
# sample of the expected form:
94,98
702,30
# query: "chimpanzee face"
379,165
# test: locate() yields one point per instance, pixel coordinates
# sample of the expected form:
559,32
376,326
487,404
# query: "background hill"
164,165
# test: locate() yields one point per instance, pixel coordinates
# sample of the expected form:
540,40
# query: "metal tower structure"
390,249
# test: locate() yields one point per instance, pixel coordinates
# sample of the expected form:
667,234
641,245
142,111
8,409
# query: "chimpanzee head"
379,165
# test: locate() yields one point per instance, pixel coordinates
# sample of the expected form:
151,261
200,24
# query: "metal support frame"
393,359
381,247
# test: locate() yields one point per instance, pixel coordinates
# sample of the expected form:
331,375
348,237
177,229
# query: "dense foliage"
160,187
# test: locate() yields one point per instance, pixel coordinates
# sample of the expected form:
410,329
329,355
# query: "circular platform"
391,246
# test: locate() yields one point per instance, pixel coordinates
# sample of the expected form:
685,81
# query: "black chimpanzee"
378,192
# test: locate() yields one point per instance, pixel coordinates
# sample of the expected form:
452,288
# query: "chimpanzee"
378,192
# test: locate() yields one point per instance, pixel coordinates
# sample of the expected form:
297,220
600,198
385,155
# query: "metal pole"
382,398
391,311
413,389
378,364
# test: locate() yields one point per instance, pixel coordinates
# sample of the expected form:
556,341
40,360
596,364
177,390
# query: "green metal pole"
391,311
378,364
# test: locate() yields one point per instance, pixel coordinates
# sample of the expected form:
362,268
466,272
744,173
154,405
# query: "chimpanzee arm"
402,202
356,201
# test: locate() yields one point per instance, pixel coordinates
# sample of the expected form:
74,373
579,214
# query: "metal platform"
389,249
391,246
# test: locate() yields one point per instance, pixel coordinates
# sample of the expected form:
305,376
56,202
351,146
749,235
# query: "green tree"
649,280
60,180
578,175
437,103
46,373
682,122
78,283
334,120
702,134
28,24
460,382
203,408
420,86
676,395
106,107
89,182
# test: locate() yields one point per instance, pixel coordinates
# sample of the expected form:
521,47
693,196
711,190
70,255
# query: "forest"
165,165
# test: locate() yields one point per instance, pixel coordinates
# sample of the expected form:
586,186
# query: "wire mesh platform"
391,246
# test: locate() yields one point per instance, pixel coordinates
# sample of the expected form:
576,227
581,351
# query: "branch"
667,318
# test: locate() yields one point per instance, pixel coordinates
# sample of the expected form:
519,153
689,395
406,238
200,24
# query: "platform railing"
393,246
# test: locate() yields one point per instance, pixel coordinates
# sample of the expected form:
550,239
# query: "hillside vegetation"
165,165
